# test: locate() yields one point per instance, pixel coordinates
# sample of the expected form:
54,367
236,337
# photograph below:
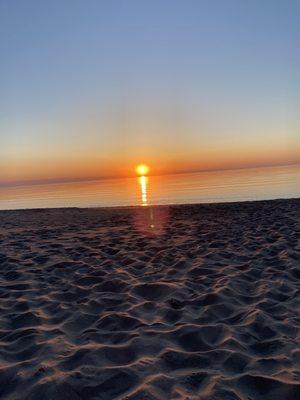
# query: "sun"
142,169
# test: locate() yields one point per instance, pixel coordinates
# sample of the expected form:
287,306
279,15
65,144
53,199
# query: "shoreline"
152,205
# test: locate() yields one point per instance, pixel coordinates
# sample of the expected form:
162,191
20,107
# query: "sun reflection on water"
143,181
149,219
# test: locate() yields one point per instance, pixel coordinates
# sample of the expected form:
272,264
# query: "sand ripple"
96,304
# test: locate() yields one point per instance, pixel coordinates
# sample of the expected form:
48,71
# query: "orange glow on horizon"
37,166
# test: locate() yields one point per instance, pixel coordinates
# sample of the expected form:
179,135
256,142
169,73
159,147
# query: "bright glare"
142,169
143,184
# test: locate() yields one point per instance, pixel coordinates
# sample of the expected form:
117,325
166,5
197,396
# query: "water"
201,187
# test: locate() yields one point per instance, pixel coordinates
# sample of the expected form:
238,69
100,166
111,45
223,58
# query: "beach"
178,302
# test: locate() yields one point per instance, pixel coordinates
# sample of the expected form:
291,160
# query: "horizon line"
53,181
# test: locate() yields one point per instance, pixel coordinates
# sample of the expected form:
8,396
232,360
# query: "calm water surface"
202,187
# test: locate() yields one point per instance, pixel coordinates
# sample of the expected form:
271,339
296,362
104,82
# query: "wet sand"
183,302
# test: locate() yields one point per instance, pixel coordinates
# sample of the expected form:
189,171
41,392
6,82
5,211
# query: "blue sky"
179,83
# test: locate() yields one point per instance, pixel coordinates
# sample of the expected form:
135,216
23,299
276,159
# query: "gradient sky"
90,88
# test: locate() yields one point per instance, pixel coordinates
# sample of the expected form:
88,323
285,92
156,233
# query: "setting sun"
142,169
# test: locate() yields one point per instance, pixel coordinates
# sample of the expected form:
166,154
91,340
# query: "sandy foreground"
181,302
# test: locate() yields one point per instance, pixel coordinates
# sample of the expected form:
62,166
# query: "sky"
91,88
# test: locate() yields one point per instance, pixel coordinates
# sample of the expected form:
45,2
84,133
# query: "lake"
200,187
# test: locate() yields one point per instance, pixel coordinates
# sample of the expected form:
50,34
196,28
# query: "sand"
181,302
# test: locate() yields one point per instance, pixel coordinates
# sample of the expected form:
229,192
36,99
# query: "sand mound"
96,304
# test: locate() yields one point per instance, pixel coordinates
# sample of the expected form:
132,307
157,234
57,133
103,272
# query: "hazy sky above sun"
92,88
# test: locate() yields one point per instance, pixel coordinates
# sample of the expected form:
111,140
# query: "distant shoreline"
53,181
